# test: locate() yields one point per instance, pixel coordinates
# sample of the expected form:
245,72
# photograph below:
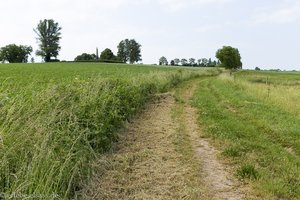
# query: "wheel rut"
220,183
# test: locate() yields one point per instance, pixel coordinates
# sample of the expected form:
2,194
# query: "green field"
254,118
57,118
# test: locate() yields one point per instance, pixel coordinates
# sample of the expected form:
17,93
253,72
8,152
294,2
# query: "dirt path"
220,183
161,155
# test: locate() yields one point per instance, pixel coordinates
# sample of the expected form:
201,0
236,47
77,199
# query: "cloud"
289,12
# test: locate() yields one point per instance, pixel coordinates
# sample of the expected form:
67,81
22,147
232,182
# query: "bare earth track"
152,159
220,183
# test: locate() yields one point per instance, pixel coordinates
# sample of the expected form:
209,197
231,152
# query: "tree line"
228,57
129,51
48,36
192,62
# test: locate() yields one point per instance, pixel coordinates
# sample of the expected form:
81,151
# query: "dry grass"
283,96
147,163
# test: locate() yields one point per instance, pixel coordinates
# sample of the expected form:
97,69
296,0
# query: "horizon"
266,33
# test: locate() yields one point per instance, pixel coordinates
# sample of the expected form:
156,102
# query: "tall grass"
279,89
55,122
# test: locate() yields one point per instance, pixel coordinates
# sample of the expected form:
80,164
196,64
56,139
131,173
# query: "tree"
204,62
209,63
49,34
192,61
214,63
129,51
172,63
15,54
107,54
230,57
183,62
134,52
176,61
123,50
86,57
199,61
163,61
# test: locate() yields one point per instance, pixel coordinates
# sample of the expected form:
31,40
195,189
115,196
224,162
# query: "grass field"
55,119
254,118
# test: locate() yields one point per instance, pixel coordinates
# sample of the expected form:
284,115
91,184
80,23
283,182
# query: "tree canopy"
230,57
49,34
13,53
163,61
176,61
129,51
107,54
86,57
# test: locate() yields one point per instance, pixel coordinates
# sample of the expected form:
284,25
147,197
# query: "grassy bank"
257,126
56,118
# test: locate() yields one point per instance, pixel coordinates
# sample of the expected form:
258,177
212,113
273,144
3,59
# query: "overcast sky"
266,32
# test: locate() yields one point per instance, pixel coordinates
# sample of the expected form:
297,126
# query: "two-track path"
162,155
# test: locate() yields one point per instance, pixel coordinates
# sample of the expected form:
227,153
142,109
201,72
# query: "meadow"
254,119
57,118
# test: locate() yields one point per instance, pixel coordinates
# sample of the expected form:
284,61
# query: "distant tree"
129,51
123,51
15,54
204,62
134,51
209,63
49,34
172,63
32,59
176,61
107,54
199,62
86,57
192,61
257,68
214,63
163,61
230,57
183,62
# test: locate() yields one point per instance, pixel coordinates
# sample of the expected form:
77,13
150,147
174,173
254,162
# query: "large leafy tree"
134,51
15,54
123,50
129,51
48,32
230,57
107,54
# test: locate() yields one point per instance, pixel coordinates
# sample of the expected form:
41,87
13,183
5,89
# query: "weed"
247,171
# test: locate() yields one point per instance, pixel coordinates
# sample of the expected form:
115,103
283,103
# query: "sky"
266,32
